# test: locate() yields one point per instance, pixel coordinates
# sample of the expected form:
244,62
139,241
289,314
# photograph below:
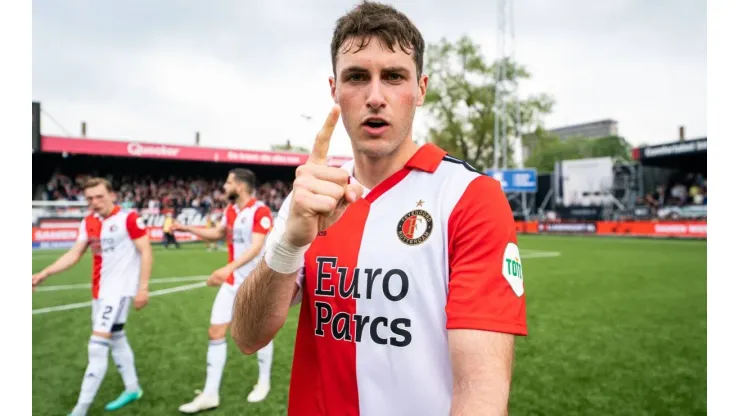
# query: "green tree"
461,96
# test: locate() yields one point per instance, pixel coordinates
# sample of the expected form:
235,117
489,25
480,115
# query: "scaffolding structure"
506,96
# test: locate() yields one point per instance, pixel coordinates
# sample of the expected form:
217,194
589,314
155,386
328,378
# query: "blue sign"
515,180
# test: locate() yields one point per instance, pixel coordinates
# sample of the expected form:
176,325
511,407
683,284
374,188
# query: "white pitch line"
527,254
46,255
87,304
539,254
53,288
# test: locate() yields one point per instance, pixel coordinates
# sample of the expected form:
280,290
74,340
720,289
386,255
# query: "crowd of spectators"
157,193
686,191
680,197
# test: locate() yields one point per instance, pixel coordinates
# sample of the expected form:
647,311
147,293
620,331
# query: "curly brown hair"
372,19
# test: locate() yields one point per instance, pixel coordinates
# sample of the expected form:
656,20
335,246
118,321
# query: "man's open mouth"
375,123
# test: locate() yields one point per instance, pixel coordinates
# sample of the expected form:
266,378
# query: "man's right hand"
37,278
176,226
321,193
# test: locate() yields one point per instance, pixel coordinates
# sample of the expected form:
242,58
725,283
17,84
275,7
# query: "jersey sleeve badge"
512,269
265,223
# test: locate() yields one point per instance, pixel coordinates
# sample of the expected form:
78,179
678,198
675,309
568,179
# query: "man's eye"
395,77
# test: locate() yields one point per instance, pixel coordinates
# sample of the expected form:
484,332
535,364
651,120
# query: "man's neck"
106,213
371,171
242,200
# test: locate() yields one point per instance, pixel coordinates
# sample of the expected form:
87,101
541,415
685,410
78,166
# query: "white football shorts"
223,305
109,312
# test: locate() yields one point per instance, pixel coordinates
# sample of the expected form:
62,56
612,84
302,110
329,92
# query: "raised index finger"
321,144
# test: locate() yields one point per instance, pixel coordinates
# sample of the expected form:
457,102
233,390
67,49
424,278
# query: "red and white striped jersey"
116,261
431,248
254,217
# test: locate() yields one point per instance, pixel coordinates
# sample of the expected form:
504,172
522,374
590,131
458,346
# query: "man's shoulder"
456,175
128,212
466,187
260,205
451,165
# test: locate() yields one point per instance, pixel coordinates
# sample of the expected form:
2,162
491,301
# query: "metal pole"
524,207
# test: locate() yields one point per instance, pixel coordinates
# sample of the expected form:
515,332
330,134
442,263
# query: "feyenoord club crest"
415,227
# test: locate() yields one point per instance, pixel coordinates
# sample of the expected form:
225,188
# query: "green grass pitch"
617,327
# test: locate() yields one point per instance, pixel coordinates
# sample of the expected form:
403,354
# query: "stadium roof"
133,149
685,155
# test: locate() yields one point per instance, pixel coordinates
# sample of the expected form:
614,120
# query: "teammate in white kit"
122,264
245,224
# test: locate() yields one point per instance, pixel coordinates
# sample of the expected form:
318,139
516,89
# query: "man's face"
378,92
99,199
231,187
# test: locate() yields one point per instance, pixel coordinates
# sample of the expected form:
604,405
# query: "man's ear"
333,88
423,84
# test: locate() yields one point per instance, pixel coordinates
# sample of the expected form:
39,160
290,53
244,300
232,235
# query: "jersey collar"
116,209
427,158
250,203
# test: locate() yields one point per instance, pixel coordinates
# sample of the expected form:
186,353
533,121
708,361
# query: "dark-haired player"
245,223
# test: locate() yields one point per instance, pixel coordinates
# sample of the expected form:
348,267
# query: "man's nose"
375,97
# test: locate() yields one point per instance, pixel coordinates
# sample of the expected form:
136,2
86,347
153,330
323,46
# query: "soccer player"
122,264
404,260
245,224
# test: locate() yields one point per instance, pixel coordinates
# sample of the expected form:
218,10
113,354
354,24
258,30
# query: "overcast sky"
243,72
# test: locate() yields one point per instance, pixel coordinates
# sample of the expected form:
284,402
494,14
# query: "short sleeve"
262,220
278,226
135,225
486,288
82,231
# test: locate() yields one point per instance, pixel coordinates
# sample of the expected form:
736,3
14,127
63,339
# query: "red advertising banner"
690,229
678,229
65,235
56,144
69,235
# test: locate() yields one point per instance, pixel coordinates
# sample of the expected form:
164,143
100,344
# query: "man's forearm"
245,258
146,269
261,307
210,234
481,367
479,400
63,263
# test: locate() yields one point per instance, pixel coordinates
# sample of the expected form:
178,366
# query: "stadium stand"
662,192
150,192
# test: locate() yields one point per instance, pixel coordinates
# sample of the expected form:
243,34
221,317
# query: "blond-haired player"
122,264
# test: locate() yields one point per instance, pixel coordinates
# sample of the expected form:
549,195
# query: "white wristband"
282,256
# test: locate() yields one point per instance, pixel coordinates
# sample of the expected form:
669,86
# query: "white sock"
216,361
264,361
123,356
97,365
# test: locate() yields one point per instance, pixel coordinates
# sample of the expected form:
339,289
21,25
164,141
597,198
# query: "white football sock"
123,356
97,365
216,361
264,361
